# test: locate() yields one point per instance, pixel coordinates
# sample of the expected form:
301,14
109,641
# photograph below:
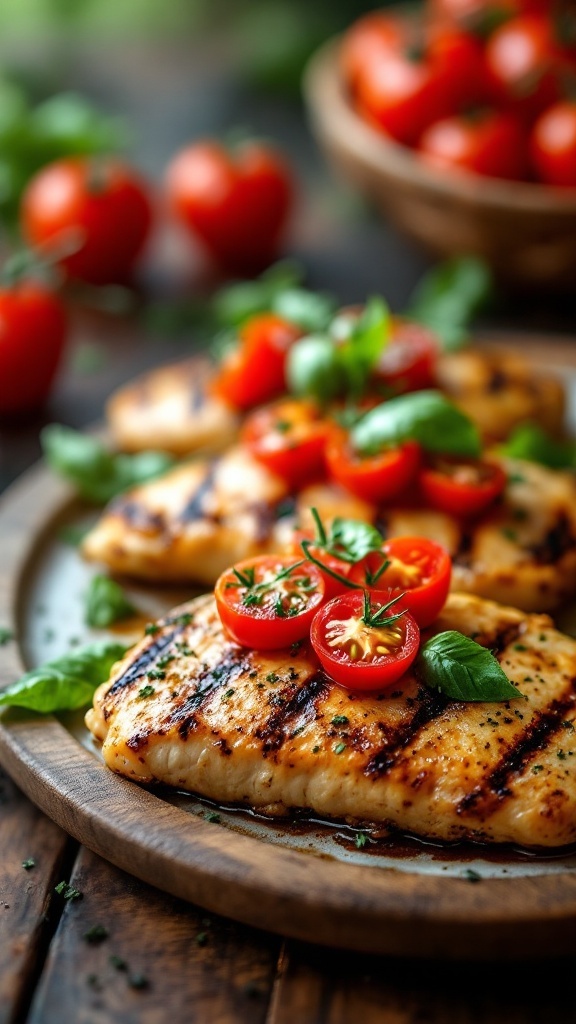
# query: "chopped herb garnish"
520,647
138,981
339,720
537,768
96,934
67,891
561,754
156,673
29,864
509,533
316,749
202,939
146,691
295,647
6,635
272,677
361,840
151,629
118,962
472,876
213,817
339,748
228,694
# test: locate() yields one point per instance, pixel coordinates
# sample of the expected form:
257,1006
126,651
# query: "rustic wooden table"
126,952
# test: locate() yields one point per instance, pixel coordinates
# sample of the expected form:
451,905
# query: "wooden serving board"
251,872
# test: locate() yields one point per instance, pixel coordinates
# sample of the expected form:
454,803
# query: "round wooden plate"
362,904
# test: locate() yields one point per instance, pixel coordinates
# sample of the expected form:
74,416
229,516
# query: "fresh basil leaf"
351,539
529,441
312,311
424,416
364,345
97,474
67,123
106,603
449,296
234,304
313,369
462,669
66,683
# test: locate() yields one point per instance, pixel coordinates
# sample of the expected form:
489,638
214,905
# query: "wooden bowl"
527,232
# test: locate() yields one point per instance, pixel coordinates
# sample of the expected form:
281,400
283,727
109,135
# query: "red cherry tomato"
289,438
264,604
553,145
369,39
482,16
237,203
32,336
358,655
462,488
418,568
491,144
408,363
523,61
336,565
254,371
374,478
91,214
459,57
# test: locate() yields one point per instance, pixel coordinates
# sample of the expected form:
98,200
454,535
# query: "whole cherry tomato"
414,567
486,143
32,336
408,362
254,371
363,644
482,16
374,478
268,602
369,39
461,488
235,202
553,145
289,438
90,214
523,60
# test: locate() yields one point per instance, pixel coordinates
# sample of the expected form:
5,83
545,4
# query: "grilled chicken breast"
199,518
172,409
192,709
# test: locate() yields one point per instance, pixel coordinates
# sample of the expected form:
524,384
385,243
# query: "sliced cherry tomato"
92,214
356,650
374,478
289,438
408,363
268,602
523,60
462,488
486,143
254,372
336,565
236,202
32,336
414,566
553,145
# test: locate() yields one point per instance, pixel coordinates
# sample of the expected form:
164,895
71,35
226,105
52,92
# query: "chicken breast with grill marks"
192,709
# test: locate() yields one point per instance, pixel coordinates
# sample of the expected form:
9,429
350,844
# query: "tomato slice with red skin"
408,363
266,605
360,656
289,438
373,478
254,372
417,567
332,586
461,487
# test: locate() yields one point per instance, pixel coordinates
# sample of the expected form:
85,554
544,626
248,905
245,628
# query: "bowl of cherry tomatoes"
457,118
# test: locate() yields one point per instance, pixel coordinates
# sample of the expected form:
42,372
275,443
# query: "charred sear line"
462,556
143,663
194,507
533,741
559,539
431,705
137,515
298,701
234,663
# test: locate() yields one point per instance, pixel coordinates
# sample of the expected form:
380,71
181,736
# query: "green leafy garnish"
529,441
449,296
66,683
106,603
363,345
313,369
462,669
6,635
67,891
424,416
98,474
347,539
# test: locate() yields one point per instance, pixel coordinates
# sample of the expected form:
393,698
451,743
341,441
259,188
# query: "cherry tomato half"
418,568
408,363
254,372
553,145
358,655
289,438
337,565
92,214
461,488
32,336
375,478
265,604
236,202
487,143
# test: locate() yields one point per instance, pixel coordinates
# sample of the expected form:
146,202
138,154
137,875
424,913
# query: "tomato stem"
374,619
306,545
321,536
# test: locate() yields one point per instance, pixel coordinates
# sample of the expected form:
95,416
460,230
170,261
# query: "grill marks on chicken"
272,731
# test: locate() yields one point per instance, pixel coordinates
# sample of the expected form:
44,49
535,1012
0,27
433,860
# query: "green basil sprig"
98,474
462,669
106,603
278,290
67,683
529,441
448,297
347,539
424,416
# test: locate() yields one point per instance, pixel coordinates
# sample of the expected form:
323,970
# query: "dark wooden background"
163,960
